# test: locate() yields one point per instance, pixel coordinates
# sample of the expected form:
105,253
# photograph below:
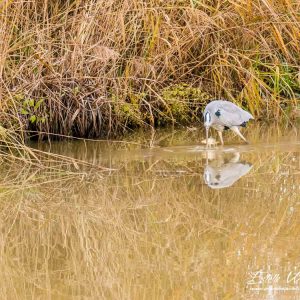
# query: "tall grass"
95,68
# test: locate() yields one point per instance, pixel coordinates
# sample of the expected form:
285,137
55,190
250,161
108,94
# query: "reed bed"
98,68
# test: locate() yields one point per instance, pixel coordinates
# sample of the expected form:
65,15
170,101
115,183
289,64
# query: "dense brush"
95,68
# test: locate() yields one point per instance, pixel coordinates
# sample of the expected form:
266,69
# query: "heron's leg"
206,131
221,137
237,132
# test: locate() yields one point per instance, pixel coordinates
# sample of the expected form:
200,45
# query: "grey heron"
223,115
221,174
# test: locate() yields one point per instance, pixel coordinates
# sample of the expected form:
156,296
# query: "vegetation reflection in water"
151,228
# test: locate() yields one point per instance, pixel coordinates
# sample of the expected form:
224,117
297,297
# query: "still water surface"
173,221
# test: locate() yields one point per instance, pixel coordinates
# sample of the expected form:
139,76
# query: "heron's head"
207,119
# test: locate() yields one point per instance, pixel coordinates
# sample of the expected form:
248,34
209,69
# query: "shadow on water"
172,222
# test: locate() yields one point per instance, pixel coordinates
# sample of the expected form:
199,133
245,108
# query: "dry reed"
96,68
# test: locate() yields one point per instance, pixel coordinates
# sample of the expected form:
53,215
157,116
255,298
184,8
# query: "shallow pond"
167,220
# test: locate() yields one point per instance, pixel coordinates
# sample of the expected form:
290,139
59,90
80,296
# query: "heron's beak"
207,129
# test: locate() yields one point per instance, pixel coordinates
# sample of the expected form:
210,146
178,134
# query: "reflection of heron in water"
221,172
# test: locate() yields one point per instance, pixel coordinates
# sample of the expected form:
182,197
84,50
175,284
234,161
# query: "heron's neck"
207,118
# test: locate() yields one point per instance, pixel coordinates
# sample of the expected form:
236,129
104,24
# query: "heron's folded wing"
229,119
232,172
232,115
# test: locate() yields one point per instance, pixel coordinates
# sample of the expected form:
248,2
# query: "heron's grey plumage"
223,171
222,114
225,175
